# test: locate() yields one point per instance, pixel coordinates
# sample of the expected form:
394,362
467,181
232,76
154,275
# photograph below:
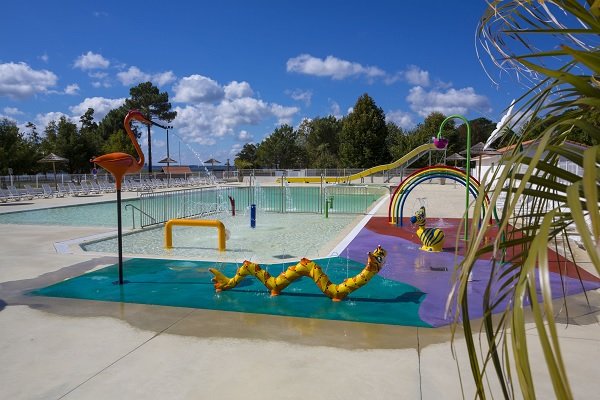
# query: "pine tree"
363,136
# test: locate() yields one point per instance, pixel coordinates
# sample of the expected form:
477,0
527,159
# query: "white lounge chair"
96,188
3,196
48,192
87,189
77,190
62,189
128,185
15,192
9,196
33,192
158,183
104,186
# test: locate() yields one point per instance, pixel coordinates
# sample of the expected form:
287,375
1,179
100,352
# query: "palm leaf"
541,198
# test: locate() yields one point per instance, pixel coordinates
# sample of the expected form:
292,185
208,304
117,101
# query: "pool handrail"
141,213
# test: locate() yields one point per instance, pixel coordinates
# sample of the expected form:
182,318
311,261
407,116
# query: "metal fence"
159,207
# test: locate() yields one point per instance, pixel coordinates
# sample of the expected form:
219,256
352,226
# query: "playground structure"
195,222
431,238
416,281
416,152
305,267
396,207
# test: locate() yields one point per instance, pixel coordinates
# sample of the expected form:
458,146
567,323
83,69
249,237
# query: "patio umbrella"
480,150
168,161
53,158
455,157
212,162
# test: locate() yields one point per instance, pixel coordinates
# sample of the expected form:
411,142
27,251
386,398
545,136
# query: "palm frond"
553,47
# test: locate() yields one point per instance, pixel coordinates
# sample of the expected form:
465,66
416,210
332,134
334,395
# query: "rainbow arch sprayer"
396,208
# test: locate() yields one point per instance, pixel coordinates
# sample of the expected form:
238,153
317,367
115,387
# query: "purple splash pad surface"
432,274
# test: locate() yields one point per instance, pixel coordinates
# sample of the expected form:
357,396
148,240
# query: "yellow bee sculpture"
432,238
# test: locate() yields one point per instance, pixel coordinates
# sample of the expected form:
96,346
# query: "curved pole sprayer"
119,164
467,168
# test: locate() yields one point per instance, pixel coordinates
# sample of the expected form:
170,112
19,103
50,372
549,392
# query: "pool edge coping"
339,248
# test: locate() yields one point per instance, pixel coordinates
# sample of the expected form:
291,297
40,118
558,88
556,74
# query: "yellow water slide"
373,170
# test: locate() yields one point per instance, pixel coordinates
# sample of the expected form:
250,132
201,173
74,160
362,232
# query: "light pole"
467,168
168,157
148,117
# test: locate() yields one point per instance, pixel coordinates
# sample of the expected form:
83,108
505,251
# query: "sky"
236,70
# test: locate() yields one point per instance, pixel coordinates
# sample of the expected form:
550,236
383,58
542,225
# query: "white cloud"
42,120
416,76
235,149
163,78
215,111
332,67
439,84
158,143
335,109
400,118
196,123
98,75
105,84
304,96
11,119
198,89
100,105
135,75
244,111
101,79
284,114
91,61
12,111
204,123
44,57
244,136
451,101
72,89
19,80
236,90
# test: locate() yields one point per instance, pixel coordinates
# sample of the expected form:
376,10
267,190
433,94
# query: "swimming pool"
102,214
276,236
290,223
159,207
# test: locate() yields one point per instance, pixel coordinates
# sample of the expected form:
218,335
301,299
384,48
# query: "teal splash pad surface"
181,283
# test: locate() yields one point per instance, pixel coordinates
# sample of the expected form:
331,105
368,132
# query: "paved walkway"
55,348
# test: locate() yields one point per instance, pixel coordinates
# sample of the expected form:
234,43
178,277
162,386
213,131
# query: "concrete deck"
55,348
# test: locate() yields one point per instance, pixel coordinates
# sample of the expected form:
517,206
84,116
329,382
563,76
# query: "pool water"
283,236
188,284
185,203
102,214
